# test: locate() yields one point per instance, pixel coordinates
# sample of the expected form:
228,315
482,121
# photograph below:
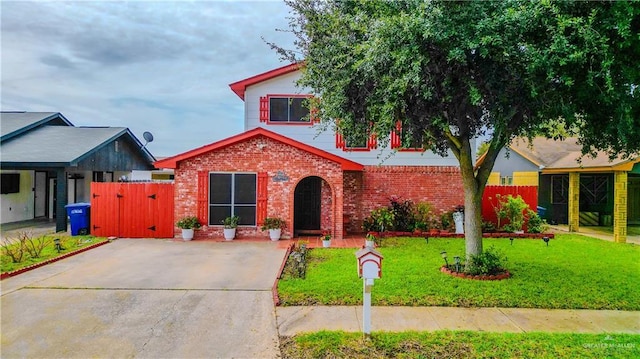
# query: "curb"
50,260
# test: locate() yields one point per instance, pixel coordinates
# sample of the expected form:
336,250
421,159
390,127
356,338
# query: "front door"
307,206
40,193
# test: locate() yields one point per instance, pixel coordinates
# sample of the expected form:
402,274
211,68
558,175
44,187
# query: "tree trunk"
472,202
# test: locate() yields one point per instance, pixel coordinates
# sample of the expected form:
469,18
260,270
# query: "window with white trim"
232,194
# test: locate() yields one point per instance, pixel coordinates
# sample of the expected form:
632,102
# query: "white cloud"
161,66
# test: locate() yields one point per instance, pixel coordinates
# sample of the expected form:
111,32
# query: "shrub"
489,262
403,216
488,227
296,266
231,222
446,221
535,223
513,209
380,220
35,246
425,216
14,248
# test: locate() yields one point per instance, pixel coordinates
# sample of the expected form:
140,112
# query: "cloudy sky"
163,67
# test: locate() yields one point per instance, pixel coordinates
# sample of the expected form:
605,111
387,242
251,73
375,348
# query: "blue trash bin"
541,211
79,218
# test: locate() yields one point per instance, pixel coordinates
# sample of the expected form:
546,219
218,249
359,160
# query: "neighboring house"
574,189
285,166
47,163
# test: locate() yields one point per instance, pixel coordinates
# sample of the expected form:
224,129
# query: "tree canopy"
452,71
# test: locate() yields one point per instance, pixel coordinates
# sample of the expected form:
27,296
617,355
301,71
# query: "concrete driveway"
146,299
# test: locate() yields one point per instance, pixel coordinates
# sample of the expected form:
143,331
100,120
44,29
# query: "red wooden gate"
132,210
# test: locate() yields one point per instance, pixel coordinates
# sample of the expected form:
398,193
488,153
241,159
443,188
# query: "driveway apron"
146,298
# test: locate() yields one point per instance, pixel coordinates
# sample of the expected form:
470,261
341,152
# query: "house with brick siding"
284,165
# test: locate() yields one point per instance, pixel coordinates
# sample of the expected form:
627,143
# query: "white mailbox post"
369,268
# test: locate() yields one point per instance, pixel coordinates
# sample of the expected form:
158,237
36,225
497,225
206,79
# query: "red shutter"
203,191
396,139
339,141
264,109
261,208
373,141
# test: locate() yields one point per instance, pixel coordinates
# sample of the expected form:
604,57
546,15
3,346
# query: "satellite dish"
147,137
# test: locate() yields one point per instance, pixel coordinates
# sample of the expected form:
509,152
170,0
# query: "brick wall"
357,193
439,185
261,154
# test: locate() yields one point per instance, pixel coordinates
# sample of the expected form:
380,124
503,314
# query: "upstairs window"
284,109
406,140
362,140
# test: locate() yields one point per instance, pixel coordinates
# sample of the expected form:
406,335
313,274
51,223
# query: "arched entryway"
309,196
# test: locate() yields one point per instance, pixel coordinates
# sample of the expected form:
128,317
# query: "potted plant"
230,224
326,239
188,225
369,240
275,226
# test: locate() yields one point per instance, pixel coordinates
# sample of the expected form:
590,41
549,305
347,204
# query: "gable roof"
239,87
562,156
53,146
13,124
171,162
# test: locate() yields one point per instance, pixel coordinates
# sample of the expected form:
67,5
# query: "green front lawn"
459,344
49,251
573,272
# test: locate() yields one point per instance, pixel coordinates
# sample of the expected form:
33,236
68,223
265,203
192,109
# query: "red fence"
132,210
489,200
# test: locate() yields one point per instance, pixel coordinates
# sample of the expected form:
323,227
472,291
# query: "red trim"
172,162
203,190
240,87
396,139
264,109
261,210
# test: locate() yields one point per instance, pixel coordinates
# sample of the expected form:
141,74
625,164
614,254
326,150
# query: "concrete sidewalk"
294,320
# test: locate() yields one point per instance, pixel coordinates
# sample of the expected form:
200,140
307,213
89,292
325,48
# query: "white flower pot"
275,234
369,244
229,233
326,244
187,234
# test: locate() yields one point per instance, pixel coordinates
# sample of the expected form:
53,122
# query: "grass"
69,244
573,272
460,344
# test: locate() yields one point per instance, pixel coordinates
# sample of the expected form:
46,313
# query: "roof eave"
172,162
240,87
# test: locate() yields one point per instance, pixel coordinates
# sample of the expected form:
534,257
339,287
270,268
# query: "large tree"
453,71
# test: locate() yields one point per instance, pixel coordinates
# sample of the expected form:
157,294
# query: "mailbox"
369,263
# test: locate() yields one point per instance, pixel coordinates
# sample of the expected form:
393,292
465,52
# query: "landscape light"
546,240
444,256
